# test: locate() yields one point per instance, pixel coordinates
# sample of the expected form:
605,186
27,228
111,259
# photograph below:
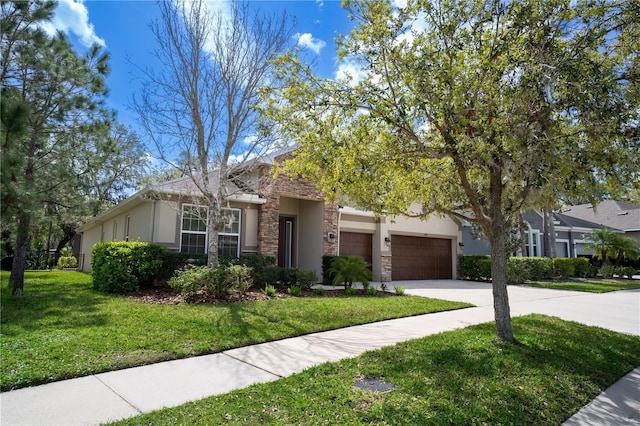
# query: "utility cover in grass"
373,384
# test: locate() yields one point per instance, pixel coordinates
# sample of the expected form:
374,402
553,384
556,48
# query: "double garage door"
418,258
413,258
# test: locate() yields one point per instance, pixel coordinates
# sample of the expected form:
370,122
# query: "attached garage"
356,244
420,258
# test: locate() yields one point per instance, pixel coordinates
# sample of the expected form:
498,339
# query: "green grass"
461,377
589,285
62,328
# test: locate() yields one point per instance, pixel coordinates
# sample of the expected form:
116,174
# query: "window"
127,225
533,242
229,239
194,231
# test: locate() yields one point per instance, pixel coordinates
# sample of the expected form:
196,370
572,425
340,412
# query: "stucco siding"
90,237
165,223
250,239
311,238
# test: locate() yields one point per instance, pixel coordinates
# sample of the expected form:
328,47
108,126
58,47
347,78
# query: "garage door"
416,258
356,244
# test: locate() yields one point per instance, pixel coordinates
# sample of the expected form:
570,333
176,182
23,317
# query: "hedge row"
521,269
121,267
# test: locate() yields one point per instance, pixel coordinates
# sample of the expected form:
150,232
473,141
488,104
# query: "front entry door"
286,239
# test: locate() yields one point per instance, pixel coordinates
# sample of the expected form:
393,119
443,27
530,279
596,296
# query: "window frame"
222,233
183,231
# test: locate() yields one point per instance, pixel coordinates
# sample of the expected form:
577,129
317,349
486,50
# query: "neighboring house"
612,214
570,233
287,218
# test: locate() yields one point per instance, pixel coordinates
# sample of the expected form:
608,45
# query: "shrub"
563,267
189,280
213,282
371,291
294,290
537,268
67,262
349,270
304,278
350,291
307,278
271,275
580,266
269,290
174,261
258,264
474,268
120,266
521,269
627,272
399,290
319,291
606,271
233,279
517,271
327,276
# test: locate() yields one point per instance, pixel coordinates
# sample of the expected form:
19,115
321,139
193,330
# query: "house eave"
115,210
355,212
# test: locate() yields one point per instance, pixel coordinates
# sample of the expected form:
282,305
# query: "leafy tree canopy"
479,109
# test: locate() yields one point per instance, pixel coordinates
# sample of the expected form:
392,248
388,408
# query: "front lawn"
62,328
460,377
593,285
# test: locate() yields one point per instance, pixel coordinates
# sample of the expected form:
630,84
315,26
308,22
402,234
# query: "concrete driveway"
618,311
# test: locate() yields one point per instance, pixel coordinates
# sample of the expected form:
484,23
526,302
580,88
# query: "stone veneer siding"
268,219
385,268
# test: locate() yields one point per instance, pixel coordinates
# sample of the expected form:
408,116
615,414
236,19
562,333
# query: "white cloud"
320,3
350,70
307,40
71,16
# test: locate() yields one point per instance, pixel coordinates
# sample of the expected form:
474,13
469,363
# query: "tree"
199,108
118,174
54,98
479,109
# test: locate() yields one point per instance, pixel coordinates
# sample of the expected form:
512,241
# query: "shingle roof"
574,222
186,186
611,213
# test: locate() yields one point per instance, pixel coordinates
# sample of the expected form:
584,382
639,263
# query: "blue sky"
122,27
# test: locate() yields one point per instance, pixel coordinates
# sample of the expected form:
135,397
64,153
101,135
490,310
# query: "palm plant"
602,242
624,247
350,269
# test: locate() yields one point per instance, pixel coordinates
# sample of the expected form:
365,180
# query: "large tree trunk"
498,235
501,307
549,230
20,256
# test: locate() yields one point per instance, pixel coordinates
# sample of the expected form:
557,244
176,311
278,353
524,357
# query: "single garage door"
418,258
356,244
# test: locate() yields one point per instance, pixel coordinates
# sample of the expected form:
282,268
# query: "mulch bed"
164,295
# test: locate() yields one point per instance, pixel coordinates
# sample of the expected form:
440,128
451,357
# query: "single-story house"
610,213
570,233
287,218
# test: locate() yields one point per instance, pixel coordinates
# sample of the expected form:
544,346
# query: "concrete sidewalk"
125,393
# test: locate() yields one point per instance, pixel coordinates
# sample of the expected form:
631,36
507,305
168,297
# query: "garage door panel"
356,244
420,258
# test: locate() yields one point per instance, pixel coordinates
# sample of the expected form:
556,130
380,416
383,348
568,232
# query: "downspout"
338,232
